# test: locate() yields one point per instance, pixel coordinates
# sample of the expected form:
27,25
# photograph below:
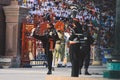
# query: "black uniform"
75,55
50,34
86,41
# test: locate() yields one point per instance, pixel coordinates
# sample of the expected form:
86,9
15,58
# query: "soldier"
49,40
76,56
59,50
86,41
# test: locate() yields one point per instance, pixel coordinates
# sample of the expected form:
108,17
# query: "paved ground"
39,73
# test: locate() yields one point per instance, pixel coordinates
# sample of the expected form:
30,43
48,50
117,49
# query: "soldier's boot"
49,72
80,72
86,72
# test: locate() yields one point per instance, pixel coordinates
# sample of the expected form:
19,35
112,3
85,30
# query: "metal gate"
29,53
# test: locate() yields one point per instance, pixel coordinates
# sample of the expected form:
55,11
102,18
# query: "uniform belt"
78,34
73,42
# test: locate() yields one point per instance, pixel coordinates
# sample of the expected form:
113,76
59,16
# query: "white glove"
50,33
32,32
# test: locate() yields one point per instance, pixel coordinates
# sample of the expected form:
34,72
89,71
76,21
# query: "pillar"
12,19
113,66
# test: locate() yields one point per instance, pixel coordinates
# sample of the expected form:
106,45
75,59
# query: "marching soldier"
49,40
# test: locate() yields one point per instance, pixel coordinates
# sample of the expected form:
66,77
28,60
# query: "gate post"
113,67
12,19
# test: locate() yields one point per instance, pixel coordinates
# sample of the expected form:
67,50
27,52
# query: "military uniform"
86,41
49,41
75,55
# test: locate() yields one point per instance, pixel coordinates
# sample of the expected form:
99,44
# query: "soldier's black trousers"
49,59
77,58
86,51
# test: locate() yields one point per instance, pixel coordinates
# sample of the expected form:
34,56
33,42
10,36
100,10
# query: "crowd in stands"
98,15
